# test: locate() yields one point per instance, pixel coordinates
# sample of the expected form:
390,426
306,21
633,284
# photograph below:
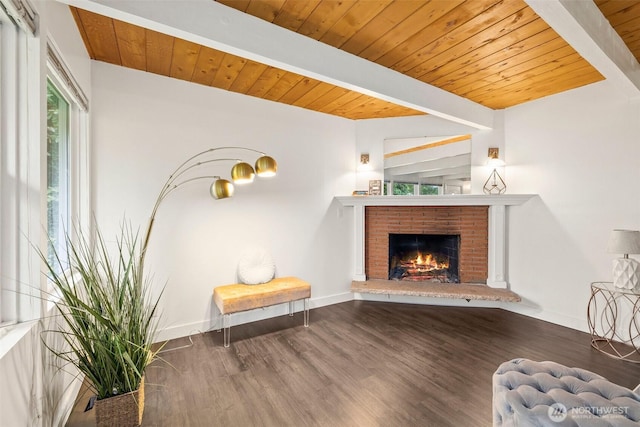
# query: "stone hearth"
435,290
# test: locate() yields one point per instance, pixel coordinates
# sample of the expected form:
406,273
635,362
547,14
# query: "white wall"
145,125
34,391
580,152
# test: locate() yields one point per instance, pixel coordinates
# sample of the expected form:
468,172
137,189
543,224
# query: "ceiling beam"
581,24
212,24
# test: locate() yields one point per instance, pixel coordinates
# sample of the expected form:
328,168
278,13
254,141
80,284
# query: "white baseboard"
579,324
205,325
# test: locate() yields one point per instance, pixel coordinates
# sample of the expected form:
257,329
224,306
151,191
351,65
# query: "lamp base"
626,273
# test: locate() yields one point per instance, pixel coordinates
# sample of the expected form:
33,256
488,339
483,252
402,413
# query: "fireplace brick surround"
490,209
470,222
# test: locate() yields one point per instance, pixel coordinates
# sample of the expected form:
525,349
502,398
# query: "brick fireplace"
479,220
471,223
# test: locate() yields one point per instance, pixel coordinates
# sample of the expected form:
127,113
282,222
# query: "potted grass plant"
109,320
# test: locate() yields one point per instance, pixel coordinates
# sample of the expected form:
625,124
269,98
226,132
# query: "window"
58,188
429,189
28,182
411,189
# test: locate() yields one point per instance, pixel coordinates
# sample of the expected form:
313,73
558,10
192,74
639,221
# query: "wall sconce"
364,164
494,184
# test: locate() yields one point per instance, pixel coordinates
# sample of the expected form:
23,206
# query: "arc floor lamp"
191,170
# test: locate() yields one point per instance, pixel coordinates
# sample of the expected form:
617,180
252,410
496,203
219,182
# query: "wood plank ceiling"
498,53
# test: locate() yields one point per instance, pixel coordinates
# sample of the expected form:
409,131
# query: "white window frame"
24,289
78,146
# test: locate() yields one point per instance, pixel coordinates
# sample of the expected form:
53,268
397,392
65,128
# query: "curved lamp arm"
171,185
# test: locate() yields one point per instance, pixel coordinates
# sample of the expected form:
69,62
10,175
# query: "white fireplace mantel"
497,243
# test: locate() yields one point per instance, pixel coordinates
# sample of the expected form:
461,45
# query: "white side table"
614,321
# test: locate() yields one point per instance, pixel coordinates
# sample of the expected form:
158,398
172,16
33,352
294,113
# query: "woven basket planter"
124,410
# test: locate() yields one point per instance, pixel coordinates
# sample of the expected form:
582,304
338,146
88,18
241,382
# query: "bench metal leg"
226,325
306,312
291,308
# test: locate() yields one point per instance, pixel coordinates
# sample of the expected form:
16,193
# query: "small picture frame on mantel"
375,187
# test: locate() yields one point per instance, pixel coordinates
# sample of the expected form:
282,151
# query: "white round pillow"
256,266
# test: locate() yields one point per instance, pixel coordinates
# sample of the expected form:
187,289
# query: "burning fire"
421,267
428,262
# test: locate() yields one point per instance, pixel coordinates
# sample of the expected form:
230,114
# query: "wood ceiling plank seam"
611,8
378,27
478,60
492,39
354,106
184,57
101,33
538,90
132,42
282,86
620,22
475,20
334,106
440,32
265,82
207,65
313,94
376,108
247,77
240,5
297,91
322,18
329,97
265,9
538,76
353,21
227,73
629,30
294,12
523,47
83,33
159,50
357,112
497,82
392,47
491,75
557,59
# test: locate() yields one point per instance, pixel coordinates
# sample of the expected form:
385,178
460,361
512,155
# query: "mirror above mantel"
428,165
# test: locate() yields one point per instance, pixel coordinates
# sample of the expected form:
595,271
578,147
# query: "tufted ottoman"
528,393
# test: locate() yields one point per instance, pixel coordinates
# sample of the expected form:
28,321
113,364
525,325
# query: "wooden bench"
239,297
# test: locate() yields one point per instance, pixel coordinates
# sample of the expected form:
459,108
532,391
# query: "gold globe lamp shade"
242,173
266,166
221,189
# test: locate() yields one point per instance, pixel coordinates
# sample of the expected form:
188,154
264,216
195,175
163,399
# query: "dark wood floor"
358,364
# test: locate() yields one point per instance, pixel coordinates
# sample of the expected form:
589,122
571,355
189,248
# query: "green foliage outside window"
57,168
403,189
429,190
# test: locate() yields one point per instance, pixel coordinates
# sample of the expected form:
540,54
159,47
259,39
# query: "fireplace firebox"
424,257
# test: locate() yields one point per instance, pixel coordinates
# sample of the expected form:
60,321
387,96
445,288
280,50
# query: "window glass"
57,170
403,189
429,190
